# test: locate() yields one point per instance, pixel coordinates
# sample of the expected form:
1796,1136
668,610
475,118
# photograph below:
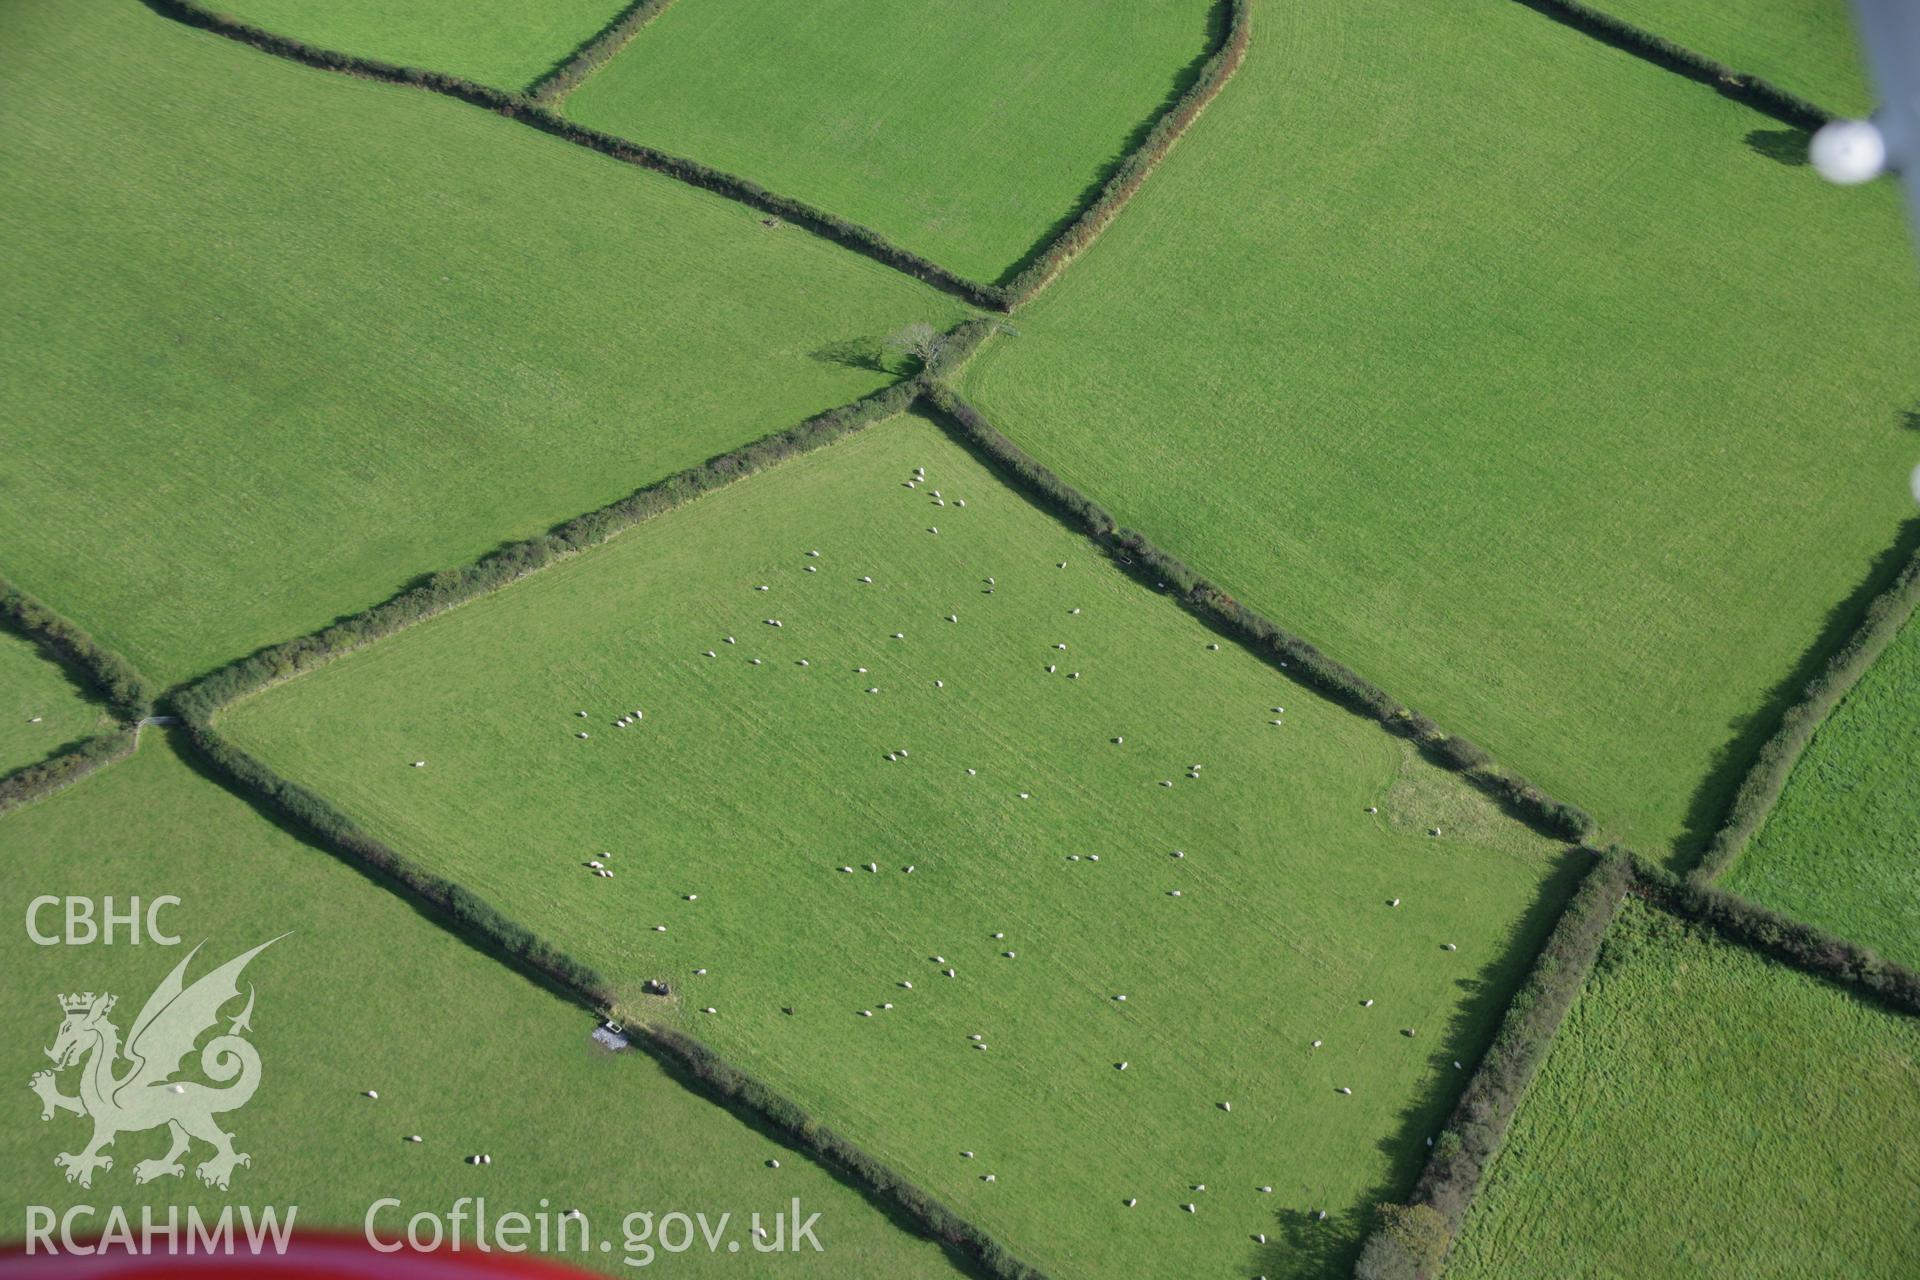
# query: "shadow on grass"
1783,146
1218,17
1708,808
1301,1246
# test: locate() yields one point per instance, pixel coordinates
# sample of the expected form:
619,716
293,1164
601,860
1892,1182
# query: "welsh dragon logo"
142,1094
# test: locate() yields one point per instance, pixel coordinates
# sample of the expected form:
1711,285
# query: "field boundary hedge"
595,52
56,772
1474,1133
1302,660
1760,789
1779,937
729,1083
128,694
1749,90
1137,165
520,107
451,588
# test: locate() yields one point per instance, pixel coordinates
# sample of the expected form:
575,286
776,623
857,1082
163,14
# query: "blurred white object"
1848,152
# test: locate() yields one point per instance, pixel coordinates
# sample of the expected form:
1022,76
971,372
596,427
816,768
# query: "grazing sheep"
1010,954
1073,857
1130,1201
1119,741
874,866
971,773
1344,1090
1259,1237
873,691
419,764
1173,893
1213,648
812,569
773,1164
581,714
710,653
866,1013
1073,611
756,662
1434,832
1448,946
975,1039
952,618
699,970
931,529
693,897
1226,1106
866,579
1199,1186
374,1094
907,985
1050,668
1457,1066
709,1009
959,502
1190,1208
939,684
1119,1066
1179,853
813,553
1061,565
1059,646
659,928
947,972
908,868
999,935
1322,1215
1393,902
849,870
1167,782
763,588
1408,1032
731,640
987,1177
1366,1004
1121,998
1073,675
967,1155
803,662
1093,857
1316,1044
938,959
414,1137
1025,796
1372,808
583,734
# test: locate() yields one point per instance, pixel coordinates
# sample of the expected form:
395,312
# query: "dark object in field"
657,987
772,223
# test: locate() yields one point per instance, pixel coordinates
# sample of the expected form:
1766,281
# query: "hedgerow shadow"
1783,146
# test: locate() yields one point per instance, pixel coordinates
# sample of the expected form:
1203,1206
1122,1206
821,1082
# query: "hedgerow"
1773,765
1301,659
127,691
729,1083
521,107
595,52
44,777
1750,90
452,587
1134,168
467,911
1800,945
1406,1243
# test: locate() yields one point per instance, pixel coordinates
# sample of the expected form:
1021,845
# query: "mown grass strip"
1767,778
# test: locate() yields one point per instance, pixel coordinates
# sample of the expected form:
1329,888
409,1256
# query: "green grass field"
285,340
500,43
1523,419
363,994
1707,1113
42,708
1807,47
965,130
1841,848
728,811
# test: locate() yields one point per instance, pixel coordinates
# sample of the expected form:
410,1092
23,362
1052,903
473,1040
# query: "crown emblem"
80,1002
